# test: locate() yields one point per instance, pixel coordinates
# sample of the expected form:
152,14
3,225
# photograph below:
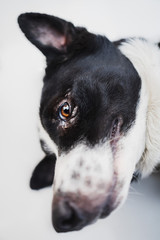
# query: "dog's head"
90,108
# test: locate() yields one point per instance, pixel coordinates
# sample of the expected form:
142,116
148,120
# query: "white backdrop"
26,214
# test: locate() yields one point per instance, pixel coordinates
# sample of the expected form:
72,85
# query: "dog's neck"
145,57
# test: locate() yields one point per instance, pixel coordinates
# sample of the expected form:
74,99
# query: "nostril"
66,217
71,218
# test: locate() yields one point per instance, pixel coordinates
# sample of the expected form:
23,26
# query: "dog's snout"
66,216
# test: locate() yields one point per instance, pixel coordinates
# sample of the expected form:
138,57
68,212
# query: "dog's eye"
64,111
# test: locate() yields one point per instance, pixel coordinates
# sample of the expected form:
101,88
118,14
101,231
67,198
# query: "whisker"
135,192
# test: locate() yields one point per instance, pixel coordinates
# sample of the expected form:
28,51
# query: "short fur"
110,91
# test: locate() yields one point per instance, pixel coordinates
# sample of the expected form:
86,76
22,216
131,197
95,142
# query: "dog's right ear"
51,35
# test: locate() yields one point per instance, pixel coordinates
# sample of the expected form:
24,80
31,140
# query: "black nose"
67,217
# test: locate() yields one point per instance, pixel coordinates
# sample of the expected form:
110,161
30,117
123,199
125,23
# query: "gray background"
26,214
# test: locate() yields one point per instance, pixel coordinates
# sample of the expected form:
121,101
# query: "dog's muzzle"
71,212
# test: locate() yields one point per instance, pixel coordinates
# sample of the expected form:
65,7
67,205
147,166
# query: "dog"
99,118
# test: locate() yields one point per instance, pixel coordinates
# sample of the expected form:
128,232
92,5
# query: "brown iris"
64,111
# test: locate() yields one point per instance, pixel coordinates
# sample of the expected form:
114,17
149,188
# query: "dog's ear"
43,173
51,35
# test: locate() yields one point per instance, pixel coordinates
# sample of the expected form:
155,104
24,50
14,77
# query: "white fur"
145,57
50,146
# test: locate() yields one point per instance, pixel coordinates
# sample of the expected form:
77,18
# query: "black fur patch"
103,85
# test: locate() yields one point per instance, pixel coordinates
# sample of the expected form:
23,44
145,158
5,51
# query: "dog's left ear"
51,35
43,173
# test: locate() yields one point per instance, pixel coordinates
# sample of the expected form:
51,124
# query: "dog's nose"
66,216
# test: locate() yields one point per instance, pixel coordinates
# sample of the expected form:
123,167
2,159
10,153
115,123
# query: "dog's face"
91,112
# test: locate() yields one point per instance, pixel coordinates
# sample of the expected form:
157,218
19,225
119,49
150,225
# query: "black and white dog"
100,118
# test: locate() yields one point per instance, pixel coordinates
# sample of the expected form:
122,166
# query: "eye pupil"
64,111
